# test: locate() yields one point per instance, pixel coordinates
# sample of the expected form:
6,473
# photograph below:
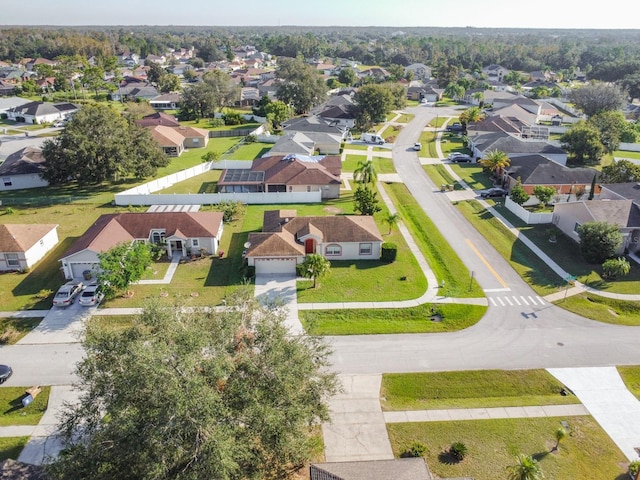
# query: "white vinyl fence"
526,216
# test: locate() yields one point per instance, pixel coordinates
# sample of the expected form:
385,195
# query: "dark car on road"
5,373
455,128
494,192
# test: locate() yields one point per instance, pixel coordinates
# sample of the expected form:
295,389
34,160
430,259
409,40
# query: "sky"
612,14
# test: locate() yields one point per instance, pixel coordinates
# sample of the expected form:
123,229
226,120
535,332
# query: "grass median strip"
471,389
428,318
631,378
10,447
443,260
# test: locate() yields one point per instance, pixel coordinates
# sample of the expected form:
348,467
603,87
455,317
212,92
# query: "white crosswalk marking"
512,301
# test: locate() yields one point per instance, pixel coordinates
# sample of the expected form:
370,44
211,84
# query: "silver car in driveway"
67,293
91,296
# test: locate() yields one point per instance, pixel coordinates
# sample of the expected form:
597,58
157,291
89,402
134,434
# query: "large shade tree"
185,394
301,86
582,141
598,97
599,241
98,144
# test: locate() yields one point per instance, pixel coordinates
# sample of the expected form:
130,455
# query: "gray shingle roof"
398,469
539,170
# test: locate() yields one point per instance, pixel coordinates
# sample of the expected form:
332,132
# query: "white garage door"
266,266
78,268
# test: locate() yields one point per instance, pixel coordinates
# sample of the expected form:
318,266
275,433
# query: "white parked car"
67,293
91,296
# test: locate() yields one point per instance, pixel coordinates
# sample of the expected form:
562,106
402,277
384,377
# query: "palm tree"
315,266
365,172
496,161
392,220
527,468
479,96
560,433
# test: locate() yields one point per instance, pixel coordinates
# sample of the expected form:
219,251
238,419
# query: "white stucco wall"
22,181
41,248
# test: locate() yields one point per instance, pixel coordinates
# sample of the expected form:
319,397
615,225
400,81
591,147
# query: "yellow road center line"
484,260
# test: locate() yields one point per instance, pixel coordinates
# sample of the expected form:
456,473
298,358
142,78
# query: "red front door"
308,246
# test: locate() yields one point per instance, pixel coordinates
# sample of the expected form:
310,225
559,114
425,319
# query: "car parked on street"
417,146
91,296
5,373
494,192
67,293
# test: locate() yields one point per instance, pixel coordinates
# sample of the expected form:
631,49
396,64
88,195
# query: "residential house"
269,88
426,92
128,59
174,140
166,101
420,71
8,103
133,92
22,169
22,245
41,112
180,232
307,143
159,59
158,118
379,73
313,123
249,96
514,146
286,173
623,213
398,469
7,88
533,170
496,123
39,61
343,116
286,239
495,72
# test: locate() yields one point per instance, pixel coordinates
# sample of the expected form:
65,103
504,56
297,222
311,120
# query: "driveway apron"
280,290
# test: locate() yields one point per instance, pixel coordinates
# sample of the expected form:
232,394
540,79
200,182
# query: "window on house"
365,249
576,226
308,188
157,237
196,141
7,181
12,259
290,188
194,242
333,249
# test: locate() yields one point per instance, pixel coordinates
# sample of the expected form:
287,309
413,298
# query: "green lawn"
427,139
383,165
204,183
405,118
452,143
627,154
391,131
428,318
631,377
10,447
608,310
471,389
528,265
440,176
355,146
587,452
351,162
473,175
443,260
13,413
13,329
250,151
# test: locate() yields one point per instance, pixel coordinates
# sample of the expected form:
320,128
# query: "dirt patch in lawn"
332,210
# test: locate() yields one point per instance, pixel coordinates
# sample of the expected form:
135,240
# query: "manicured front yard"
473,175
440,176
471,389
586,452
203,183
427,318
13,413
